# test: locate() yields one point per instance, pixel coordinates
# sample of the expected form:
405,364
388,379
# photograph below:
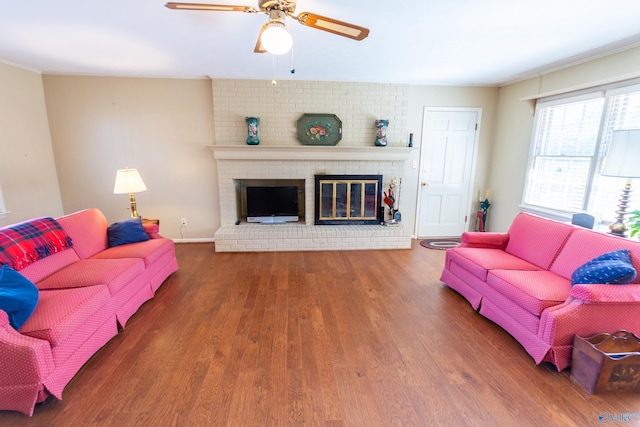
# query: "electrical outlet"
183,221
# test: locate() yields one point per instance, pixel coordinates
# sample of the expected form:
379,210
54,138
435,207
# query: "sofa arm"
491,240
589,310
26,362
592,294
152,230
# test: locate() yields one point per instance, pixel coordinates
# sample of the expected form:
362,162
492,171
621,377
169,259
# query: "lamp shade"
276,39
128,181
623,159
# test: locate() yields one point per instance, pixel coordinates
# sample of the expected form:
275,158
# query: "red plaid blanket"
24,243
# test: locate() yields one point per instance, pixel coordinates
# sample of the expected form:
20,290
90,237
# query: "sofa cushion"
150,251
18,296
479,261
609,268
49,265
532,290
537,240
129,231
115,273
583,245
62,312
88,229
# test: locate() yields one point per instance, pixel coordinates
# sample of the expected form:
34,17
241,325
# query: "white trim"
3,207
296,152
197,240
617,82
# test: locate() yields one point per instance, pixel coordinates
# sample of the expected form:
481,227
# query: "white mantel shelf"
307,152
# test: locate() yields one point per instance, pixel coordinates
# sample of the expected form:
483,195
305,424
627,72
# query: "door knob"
425,184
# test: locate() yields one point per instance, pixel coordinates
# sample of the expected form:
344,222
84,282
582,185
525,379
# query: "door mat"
440,244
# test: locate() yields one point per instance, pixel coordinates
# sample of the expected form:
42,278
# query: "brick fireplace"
238,163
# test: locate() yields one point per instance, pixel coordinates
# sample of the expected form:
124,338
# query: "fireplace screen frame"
366,183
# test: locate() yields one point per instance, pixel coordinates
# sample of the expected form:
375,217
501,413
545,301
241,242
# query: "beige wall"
27,170
485,98
161,127
515,122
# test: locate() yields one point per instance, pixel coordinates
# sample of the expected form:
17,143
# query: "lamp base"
618,228
134,211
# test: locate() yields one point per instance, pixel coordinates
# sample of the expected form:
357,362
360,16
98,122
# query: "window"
3,209
570,142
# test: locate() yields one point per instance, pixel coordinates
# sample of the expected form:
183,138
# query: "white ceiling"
454,42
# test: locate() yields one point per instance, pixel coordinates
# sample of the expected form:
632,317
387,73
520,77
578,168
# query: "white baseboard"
198,240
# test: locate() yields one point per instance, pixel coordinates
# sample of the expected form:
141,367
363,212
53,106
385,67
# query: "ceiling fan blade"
215,7
334,26
259,48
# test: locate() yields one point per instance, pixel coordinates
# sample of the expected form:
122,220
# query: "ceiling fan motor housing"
286,6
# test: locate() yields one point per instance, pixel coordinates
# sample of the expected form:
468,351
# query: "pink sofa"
521,280
85,291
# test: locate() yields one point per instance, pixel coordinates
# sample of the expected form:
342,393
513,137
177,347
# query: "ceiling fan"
273,36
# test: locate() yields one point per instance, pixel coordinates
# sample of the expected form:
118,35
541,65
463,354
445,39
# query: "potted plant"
633,223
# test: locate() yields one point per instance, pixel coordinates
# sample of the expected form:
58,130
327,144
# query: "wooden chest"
607,363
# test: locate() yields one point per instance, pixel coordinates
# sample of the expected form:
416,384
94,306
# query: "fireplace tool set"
392,199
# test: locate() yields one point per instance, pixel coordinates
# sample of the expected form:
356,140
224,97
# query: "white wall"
357,105
515,122
27,170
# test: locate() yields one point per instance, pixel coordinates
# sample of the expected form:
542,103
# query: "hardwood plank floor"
353,338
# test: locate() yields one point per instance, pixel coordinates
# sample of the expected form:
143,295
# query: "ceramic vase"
381,132
252,130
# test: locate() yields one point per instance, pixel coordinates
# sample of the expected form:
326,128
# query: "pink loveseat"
85,291
521,280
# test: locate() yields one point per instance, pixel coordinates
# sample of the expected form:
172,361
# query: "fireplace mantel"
306,152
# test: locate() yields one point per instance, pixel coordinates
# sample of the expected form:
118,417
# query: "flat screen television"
272,204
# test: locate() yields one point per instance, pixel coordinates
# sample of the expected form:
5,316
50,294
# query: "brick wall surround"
357,105
302,163
281,156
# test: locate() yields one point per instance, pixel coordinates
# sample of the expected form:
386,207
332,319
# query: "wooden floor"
355,338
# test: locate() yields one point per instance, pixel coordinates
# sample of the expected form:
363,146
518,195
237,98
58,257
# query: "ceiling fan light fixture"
276,39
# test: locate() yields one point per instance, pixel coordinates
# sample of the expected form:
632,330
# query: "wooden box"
607,363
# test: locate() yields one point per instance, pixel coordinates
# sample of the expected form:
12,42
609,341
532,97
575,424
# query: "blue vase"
252,130
381,132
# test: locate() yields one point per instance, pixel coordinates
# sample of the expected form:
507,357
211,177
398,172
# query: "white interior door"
447,158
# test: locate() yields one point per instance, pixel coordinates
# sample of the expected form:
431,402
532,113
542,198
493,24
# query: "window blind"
570,141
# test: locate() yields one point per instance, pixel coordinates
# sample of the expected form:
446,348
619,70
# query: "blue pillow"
612,268
18,296
129,231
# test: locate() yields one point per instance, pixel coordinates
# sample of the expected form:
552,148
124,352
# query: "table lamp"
623,161
129,181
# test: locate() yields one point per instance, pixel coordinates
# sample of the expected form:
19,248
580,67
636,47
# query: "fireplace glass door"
343,201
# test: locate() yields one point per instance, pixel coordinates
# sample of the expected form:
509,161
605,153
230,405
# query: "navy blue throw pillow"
612,268
129,231
18,296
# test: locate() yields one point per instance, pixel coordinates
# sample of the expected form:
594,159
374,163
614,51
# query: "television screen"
272,204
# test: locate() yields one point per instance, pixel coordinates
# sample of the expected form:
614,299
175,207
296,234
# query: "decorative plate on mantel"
319,129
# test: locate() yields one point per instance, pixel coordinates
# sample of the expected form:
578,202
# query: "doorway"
447,160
